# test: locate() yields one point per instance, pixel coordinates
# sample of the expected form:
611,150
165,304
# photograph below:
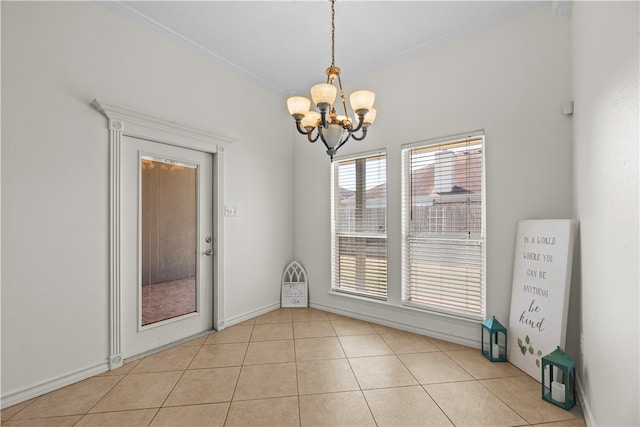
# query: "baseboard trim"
250,315
584,404
168,346
20,396
398,325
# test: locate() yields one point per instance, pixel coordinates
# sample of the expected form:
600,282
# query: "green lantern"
494,340
559,379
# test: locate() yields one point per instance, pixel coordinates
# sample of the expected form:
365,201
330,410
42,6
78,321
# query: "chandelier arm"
313,139
301,129
363,136
360,123
349,135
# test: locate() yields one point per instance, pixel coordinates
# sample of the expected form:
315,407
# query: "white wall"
56,58
605,200
509,80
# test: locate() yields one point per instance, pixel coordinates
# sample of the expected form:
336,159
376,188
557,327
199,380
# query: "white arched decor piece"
294,286
124,121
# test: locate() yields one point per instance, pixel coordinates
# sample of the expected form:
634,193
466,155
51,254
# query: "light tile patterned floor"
302,367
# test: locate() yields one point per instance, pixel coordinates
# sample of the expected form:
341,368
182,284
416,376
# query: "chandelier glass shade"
332,129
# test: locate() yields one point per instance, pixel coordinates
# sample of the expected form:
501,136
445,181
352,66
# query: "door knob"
208,252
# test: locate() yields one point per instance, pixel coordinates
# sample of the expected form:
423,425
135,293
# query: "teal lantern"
494,340
559,379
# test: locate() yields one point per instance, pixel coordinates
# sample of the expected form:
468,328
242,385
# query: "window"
443,226
359,225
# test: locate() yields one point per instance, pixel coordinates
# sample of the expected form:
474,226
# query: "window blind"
359,226
443,259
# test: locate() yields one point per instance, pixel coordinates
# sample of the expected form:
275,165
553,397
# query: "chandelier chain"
333,33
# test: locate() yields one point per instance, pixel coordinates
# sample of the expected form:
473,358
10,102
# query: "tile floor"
302,367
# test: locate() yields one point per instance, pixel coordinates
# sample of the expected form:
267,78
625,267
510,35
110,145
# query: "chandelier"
334,130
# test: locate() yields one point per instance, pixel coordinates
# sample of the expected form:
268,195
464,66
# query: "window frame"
336,235
408,237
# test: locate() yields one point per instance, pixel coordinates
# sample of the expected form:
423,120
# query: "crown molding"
124,9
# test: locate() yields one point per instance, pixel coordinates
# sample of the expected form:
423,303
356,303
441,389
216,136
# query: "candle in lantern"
496,350
557,391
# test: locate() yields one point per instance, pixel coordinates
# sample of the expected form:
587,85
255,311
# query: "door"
167,244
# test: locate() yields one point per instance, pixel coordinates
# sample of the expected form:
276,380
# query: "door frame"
125,121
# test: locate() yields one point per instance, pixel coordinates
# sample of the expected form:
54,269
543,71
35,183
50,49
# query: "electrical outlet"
230,211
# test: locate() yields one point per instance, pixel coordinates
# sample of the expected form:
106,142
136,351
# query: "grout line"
120,410
501,400
437,404
28,403
184,371
235,388
108,392
295,362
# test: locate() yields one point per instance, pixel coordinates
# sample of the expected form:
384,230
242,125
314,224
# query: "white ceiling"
286,45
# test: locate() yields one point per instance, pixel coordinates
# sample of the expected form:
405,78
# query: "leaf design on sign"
531,350
520,343
538,363
526,339
523,350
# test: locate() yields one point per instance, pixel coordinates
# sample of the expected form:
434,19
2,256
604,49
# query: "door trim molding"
125,121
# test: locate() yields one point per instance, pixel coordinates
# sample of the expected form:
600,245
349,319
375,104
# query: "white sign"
294,295
294,286
540,294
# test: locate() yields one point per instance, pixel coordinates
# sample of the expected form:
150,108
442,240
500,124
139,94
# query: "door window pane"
168,219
